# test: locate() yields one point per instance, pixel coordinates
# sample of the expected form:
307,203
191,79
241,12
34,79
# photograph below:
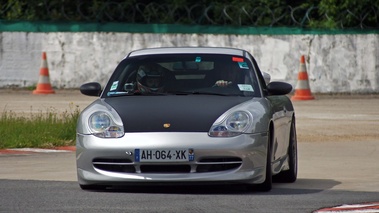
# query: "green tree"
329,14
348,13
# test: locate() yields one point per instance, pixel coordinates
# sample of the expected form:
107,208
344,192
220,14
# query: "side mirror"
279,88
266,77
91,89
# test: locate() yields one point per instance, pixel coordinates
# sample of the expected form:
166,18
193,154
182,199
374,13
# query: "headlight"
234,124
102,125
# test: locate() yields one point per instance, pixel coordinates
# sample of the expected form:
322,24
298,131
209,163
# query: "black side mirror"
279,88
91,89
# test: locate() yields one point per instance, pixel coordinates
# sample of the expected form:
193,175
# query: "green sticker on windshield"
114,85
243,65
198,59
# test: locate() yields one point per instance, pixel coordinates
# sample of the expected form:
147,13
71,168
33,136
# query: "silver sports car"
193,115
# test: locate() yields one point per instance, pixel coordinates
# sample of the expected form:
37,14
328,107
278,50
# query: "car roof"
188,50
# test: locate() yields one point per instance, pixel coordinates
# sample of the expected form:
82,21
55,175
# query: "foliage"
353,13
42,130
273,13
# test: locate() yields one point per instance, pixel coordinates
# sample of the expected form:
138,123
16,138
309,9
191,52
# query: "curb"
350,208
37,150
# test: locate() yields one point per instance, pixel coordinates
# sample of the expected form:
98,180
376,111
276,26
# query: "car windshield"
184,74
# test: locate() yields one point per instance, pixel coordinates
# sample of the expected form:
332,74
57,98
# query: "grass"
38,130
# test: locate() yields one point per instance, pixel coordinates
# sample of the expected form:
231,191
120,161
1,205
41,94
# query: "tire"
290,176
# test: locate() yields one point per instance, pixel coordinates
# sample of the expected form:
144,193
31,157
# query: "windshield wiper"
137,93
118,94
210,93
196,93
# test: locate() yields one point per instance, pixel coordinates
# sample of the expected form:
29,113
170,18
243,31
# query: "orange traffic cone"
302,90
44,86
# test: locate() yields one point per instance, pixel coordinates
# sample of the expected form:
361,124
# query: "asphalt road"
338,151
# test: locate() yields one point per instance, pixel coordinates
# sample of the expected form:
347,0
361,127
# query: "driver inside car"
150,79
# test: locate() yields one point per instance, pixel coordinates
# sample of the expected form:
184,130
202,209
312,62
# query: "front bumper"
240,159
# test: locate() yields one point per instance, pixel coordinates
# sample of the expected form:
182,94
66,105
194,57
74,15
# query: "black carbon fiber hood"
184,113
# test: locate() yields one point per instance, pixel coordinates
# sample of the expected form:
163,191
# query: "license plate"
164,155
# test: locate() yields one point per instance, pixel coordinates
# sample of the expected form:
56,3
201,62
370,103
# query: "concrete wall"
335,63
